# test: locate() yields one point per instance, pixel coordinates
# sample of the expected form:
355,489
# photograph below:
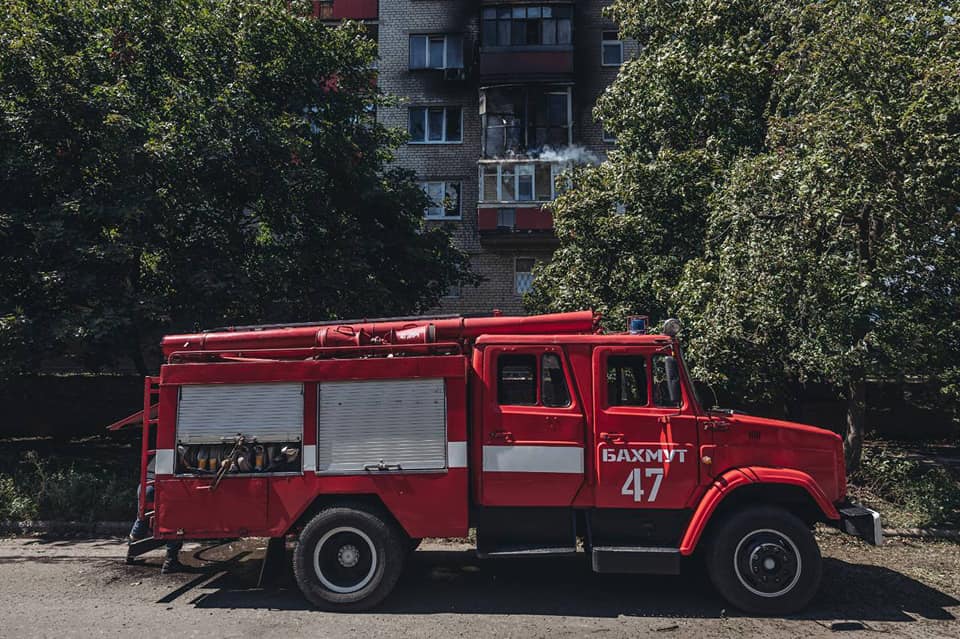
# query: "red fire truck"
546,435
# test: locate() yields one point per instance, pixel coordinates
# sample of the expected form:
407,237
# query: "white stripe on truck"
533,459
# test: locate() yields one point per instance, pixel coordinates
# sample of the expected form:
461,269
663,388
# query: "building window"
523,278
453,292
436,52
528,25
518,181
444,200
611,49
608,137
518,120
435,125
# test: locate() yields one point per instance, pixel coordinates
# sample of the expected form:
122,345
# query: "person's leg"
140,528
171,562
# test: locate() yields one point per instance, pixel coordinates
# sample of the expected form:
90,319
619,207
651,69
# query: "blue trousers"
140,529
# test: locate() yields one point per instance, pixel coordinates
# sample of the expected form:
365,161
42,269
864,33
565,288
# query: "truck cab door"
533,428
646,435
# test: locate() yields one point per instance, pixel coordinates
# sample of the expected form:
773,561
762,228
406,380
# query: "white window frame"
555,170
426,123
444,183
447,37
604,43
516,273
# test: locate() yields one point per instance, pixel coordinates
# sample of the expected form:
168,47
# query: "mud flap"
861,522
274,559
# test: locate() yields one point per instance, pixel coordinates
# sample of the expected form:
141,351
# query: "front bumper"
861,522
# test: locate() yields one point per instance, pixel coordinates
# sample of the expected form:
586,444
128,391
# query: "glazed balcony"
526,42
513,194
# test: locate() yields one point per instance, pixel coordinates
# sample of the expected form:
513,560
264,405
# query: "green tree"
174,165
829,247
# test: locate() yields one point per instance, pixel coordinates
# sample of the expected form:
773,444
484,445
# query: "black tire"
348,559
412,544
764,560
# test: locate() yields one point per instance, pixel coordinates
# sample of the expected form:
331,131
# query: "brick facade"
494,258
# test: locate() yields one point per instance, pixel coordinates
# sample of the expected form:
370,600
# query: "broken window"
519,120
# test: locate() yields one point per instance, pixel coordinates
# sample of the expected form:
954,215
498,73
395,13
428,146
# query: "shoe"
171,566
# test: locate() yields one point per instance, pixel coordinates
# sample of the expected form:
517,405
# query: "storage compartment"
257,427
381,425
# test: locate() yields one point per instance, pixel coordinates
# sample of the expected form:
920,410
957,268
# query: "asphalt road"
82,588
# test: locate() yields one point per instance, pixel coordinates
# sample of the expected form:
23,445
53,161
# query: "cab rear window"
519,378
626,380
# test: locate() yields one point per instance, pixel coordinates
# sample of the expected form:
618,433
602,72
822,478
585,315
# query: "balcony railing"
345,9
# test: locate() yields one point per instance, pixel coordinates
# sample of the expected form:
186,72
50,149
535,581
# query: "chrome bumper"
861,522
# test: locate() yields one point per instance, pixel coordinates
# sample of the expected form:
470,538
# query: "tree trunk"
856,418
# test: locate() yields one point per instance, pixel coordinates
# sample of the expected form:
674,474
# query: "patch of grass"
43,489
930,495
14,502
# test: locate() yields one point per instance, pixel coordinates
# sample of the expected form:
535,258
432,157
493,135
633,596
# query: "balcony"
345,9
512,196
526,42
525,120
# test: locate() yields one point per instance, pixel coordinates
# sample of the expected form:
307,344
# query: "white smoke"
573,154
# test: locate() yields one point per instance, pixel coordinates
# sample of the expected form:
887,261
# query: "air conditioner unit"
454,74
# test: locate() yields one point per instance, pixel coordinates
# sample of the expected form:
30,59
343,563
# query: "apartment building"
498,99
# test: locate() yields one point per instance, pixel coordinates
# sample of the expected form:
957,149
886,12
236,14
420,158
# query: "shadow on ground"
456,582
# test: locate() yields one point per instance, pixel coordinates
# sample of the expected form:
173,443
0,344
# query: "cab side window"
553,389
626,380
666,381
517,380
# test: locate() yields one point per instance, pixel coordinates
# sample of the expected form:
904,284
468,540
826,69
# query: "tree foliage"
817,238
175,165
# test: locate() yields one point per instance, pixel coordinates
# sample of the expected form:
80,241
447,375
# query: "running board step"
142,546
509,552
636,559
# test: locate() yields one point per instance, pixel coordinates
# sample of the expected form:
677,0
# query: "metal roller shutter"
211,413
397,421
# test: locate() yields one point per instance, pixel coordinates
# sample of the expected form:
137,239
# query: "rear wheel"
764,560
348,559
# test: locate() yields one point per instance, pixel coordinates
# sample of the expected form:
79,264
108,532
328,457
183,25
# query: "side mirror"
672,370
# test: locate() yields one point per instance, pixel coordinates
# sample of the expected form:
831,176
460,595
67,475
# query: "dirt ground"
71,588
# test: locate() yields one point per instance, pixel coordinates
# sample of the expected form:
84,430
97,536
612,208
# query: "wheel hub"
345,559
767,563
348,556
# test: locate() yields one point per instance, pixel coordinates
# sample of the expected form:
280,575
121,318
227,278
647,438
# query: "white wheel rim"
318,549
796,553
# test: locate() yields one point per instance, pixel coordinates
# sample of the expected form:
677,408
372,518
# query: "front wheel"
765,561
347,559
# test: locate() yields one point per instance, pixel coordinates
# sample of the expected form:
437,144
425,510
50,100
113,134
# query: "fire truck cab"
547,436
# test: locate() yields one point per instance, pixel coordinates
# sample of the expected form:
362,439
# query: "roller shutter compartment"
211,413
381,425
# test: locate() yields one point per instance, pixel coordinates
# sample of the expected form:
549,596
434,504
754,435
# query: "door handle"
381,465
612,438
717,425
504,435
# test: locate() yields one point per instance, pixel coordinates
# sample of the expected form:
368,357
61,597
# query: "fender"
731,480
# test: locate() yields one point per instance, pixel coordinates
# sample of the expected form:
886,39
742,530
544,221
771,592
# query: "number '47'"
634,487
